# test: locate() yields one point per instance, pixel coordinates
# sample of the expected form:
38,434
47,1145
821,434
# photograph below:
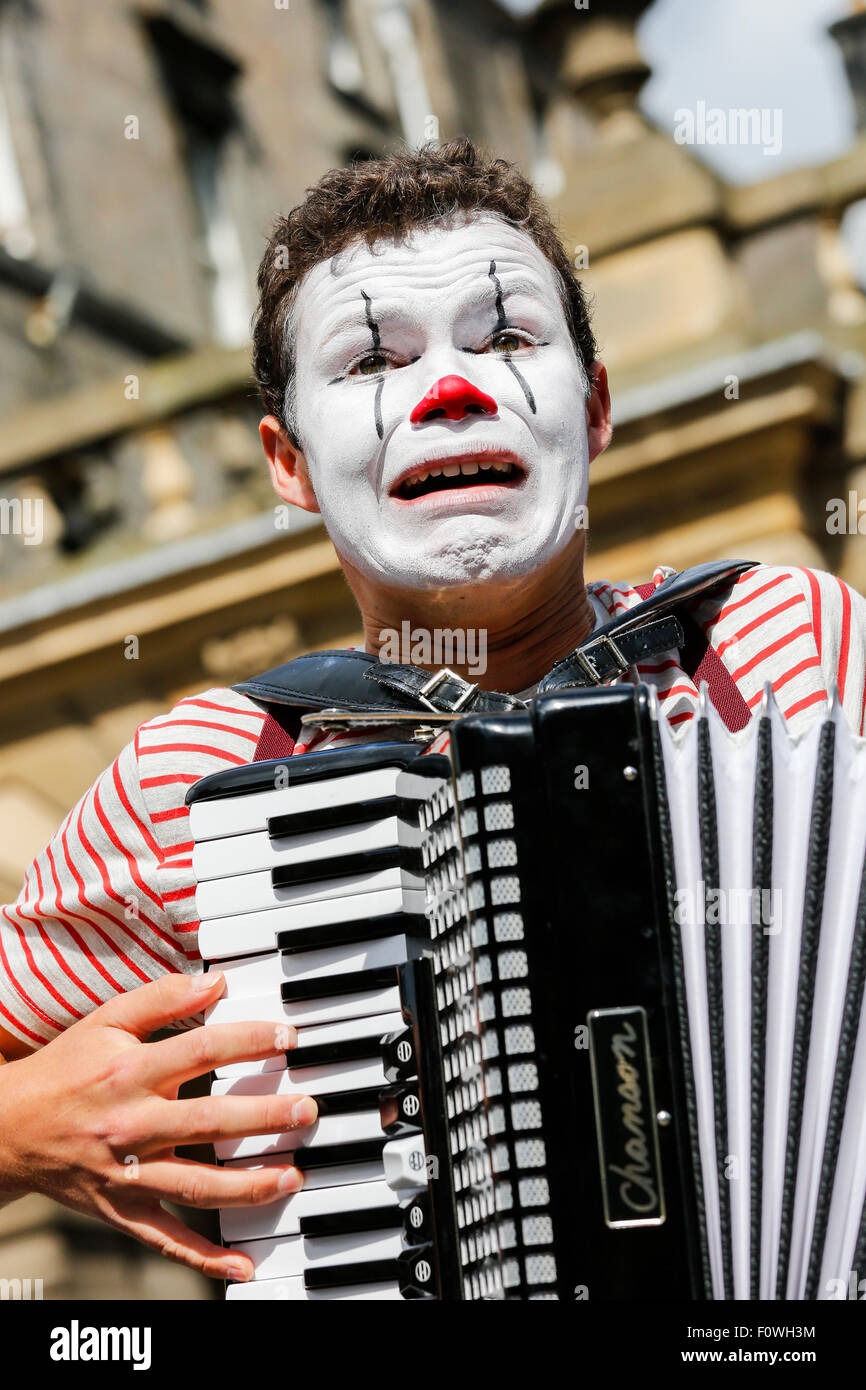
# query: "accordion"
580,1000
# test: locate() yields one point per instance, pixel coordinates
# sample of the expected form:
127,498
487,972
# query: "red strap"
722,687
274,742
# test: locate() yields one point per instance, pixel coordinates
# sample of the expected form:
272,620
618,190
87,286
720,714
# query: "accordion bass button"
405,1163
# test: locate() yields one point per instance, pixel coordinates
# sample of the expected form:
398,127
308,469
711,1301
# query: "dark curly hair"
388,197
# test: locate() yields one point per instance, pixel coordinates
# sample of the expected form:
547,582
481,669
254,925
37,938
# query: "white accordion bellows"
773,963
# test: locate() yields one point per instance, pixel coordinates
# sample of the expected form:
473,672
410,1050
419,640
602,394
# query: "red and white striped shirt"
110,903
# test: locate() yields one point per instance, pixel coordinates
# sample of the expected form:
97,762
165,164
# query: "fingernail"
304,1112
207,981
239,1274
291,1180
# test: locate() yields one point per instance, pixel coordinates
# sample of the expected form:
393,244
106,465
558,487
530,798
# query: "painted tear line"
374,333
501,323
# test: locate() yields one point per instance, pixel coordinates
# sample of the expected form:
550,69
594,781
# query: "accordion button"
417,1227
398,1055
416,1272
400,1110
406,1163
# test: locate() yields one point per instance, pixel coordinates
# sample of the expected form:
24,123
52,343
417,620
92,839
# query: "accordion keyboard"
312,905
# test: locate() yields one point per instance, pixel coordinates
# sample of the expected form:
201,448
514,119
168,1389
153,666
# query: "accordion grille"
485,1009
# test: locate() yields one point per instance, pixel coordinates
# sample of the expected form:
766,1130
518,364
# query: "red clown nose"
454,397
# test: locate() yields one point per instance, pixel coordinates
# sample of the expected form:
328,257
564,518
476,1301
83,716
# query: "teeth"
451,470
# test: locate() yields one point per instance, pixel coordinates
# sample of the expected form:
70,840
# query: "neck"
500,636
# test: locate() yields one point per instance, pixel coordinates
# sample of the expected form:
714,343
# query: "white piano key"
269,1008
248,932
339,1076
375,1026
246,854
284,1218
276,1258
224,897
342,1030
250,975
335,1175
240,815
329,1129
267,1064
304,1081
271,1290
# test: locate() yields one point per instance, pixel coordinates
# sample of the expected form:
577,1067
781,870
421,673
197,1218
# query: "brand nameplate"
625,1116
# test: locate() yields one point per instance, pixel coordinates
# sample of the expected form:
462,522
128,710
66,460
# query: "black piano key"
349,1102
347,1050
364,861
299,939
331,1155
344,1223
338,1276
398,1055
327,986
400,1110
333,817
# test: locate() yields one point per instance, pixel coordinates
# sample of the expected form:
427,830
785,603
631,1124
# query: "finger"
206,1119
205,1186
204,1049
144,1010
166,1233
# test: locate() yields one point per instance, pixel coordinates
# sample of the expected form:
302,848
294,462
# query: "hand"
92,1118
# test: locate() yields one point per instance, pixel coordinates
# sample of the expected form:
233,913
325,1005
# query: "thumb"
153,1006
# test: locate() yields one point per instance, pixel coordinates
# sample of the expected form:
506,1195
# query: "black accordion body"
579,1000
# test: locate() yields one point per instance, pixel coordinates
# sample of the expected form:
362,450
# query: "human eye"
370,364
508,340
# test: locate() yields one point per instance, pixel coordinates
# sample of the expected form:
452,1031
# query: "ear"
598,426
289,473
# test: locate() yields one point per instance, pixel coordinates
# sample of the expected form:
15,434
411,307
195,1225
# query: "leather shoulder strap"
701,662
359,682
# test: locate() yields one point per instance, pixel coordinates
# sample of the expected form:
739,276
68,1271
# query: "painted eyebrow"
352,321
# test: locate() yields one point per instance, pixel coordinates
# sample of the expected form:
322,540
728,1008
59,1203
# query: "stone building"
144,149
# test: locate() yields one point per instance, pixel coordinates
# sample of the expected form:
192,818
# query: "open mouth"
449,475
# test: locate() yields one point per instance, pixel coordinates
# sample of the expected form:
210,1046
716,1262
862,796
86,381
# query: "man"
429,374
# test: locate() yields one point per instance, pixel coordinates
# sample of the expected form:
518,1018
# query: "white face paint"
375,331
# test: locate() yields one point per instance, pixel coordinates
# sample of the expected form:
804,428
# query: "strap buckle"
446,674
589,667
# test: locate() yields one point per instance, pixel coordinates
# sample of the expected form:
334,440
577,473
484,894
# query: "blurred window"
16,232
200,78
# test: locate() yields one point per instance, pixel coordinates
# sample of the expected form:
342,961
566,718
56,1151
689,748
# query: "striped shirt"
110,902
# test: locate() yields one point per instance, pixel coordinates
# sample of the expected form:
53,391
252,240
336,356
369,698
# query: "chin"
478,561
